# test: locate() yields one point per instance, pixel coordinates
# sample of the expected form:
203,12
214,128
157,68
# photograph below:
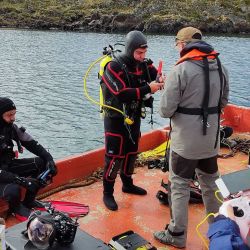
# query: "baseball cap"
189,34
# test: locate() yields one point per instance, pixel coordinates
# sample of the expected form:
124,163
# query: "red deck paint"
143,214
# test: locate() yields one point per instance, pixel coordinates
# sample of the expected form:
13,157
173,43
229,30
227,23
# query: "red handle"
159,71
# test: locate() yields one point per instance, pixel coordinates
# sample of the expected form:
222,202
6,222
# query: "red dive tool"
159,71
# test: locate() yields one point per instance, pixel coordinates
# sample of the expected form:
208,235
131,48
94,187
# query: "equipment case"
130,241
15,240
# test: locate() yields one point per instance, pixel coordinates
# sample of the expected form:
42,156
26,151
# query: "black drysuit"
10,167
124,85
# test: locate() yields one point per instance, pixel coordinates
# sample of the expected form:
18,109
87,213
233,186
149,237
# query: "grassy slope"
59,12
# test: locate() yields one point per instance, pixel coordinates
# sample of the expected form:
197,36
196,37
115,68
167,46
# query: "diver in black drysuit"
15,173
126,85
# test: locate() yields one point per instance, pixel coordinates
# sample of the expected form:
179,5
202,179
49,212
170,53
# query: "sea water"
42,71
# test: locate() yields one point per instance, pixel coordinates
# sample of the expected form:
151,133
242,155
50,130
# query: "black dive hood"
5,105
134,40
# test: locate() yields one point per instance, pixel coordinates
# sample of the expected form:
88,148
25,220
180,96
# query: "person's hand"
52,167
230,212
30,184
155,86
162,79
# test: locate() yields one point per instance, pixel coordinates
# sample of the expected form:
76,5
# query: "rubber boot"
29,199
129,187
108,198
36,204
21,212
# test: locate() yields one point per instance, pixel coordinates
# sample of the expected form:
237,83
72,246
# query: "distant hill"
155,16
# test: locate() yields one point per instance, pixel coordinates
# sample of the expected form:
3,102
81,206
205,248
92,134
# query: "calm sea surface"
43,73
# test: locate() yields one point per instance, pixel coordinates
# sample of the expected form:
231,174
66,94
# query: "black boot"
21,211
29,199
108,197
110,202
36,204
129,187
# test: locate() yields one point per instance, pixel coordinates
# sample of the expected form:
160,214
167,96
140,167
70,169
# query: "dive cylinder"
103,65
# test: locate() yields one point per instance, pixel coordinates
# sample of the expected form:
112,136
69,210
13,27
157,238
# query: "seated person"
224,233
16,173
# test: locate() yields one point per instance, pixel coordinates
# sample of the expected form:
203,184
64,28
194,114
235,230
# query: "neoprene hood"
134,40
6,105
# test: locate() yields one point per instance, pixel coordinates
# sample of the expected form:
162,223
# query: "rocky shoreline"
125,23
160,17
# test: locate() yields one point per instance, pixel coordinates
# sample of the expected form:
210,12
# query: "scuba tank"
108,52
103,65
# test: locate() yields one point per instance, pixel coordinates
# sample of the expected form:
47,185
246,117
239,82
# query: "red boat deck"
143,215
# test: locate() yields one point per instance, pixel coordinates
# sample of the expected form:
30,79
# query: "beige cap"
189,34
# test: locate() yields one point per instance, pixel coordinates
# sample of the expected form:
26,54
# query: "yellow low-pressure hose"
217,197
127,119
198,232
211,214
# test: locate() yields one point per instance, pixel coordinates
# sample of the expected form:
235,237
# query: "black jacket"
10,133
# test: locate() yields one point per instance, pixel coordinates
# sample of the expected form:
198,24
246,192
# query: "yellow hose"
211,214
198,232
127,119
217,197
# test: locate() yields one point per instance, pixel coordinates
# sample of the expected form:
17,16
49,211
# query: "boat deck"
144,214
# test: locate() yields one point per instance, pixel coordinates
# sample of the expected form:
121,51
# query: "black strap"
165,166
174,233
219,101
197,111
123,67
205,110
149,80
19,145
206,95
147,71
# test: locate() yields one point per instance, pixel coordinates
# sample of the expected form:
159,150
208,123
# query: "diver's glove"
149,102
30,184
50,165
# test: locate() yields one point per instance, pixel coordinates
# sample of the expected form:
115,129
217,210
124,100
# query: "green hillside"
158,16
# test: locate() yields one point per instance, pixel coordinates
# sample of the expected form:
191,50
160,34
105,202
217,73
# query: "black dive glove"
30,184
149,102
50,165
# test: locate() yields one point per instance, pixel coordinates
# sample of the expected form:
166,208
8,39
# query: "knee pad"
129,164
114,144
112,166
